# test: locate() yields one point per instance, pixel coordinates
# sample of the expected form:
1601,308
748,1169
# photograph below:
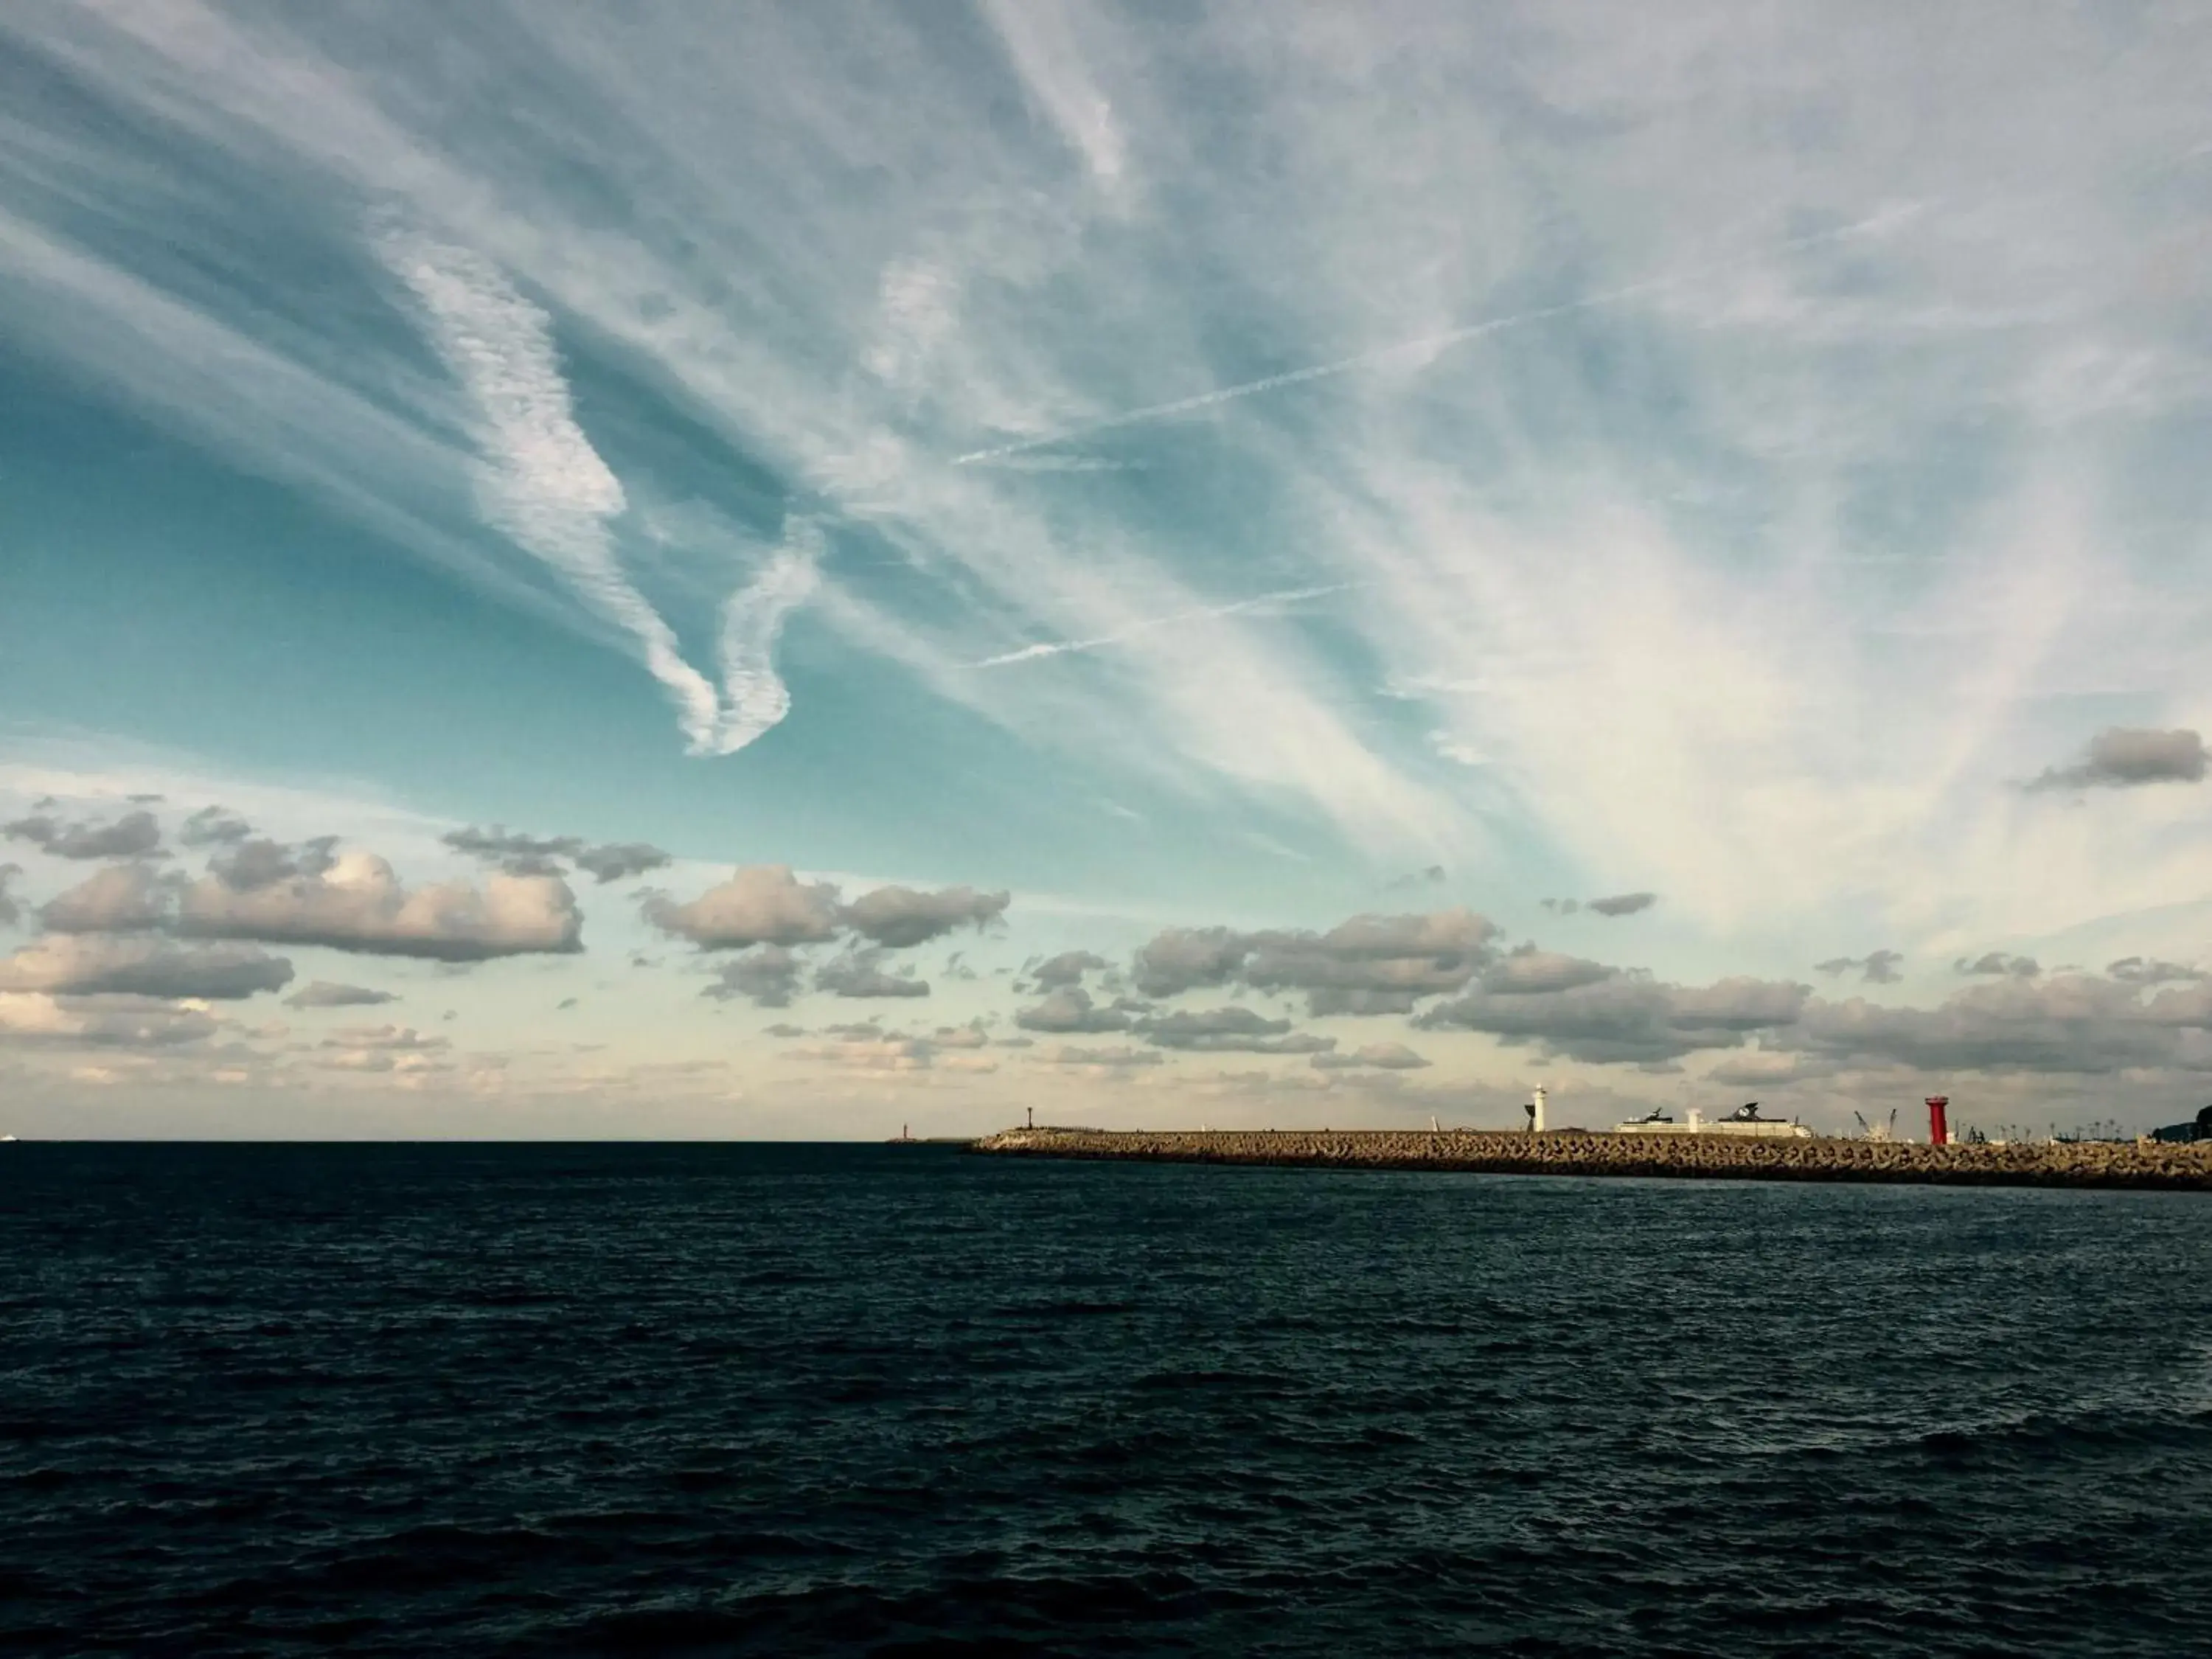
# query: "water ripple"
724,1399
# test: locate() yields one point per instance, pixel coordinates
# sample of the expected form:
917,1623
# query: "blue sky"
1298,501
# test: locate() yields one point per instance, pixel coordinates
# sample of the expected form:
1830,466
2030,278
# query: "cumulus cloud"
902,917
259,862
759,904
135,835
1767,1068
324,993
1433,876
1996,963
359,904
521,854
1229,1030
11,908
1068,1011
961,1036
1271,1085
499,843
1624,904
2074,1024
1368,964
1384,1056
2125,757
306,894
874,1052
1181,959
400,1050
1561,907
408,1070
1876,967
1067,968
1625,1017
767,974
118,898
618,860
1528,970
87,965
214,826
1115,1059
403,1038
2137,971
102,1021
862,973
1372,963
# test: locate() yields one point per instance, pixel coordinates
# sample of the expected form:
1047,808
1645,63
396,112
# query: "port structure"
1939,1126
1535,1110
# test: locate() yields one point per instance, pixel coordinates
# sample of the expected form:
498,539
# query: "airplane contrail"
1060,648
1427,342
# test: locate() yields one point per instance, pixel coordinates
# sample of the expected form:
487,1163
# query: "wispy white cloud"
1235,608
543,484
1045,50
755,697
1025,462
1423,349
1771,530
707,294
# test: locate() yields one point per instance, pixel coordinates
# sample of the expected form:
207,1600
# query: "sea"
731,1398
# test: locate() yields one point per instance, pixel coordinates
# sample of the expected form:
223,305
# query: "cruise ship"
1745,1120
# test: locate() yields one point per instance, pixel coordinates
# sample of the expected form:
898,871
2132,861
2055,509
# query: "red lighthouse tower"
1939,1128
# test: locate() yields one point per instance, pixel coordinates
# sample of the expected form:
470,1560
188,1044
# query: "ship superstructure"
1743,1122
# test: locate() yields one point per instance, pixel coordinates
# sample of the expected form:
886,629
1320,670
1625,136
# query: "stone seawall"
1574,1153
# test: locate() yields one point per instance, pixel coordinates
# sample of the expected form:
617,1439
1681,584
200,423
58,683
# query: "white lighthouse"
1535,1110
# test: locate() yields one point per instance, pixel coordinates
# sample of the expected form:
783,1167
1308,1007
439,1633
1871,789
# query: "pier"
2143,1164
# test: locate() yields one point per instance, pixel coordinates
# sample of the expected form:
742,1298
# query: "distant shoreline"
1573,1152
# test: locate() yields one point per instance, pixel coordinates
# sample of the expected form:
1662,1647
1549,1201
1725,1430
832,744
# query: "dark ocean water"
815,1400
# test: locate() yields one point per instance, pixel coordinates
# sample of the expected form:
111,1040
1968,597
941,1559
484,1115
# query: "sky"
733,570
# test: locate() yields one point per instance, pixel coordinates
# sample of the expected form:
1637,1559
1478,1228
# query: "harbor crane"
1877,1131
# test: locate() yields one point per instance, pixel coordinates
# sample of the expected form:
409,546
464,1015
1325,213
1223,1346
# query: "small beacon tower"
1939,1128
1535,1110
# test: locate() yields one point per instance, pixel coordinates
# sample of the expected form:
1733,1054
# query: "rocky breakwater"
2084,1163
